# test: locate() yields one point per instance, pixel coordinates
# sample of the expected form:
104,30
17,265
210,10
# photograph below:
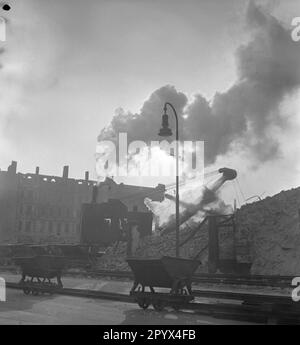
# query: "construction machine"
205,194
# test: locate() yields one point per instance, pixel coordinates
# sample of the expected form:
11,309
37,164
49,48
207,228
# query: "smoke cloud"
246,115
145,126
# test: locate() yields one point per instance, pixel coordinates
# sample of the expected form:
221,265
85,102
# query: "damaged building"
37,208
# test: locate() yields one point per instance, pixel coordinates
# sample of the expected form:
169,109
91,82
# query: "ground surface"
58,309
21,309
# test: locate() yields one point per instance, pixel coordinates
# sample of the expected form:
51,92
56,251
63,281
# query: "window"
107,223
68,212
30,195
42,227
28,210
58,229
42,211
28,226
50,227
20,226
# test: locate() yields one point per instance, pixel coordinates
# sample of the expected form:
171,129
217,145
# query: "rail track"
254,307
82,293
251,280
230,279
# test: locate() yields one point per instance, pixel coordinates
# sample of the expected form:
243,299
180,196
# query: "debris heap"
156,246
271,228
114,258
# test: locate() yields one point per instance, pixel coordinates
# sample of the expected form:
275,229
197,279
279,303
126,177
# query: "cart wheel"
158,305
26,291
176,307
183,292
144,304
35,292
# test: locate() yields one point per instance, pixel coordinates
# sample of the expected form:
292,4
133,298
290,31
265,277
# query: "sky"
68,65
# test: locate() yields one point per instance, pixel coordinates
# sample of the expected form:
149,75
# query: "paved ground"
21,309
57,309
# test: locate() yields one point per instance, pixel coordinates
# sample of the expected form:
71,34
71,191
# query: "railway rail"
230,279
81,293
253,280
254,307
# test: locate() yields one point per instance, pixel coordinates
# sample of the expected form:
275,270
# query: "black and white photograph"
149,165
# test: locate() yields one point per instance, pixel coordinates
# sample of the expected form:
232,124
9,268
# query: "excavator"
202,210
198,195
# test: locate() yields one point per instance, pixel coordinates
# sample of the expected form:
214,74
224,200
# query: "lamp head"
165,131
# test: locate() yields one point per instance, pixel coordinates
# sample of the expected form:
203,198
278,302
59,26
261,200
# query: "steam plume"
268,70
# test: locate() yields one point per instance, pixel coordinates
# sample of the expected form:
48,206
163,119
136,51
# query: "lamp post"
166,131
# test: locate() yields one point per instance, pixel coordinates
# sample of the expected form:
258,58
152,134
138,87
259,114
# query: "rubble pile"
114,258
271,226
160,245
156,246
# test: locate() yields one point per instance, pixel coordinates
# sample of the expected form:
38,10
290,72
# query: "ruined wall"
38,208
49,208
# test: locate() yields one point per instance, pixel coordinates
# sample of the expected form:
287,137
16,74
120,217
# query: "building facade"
37,208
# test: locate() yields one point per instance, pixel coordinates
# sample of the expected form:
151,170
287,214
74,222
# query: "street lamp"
166,131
